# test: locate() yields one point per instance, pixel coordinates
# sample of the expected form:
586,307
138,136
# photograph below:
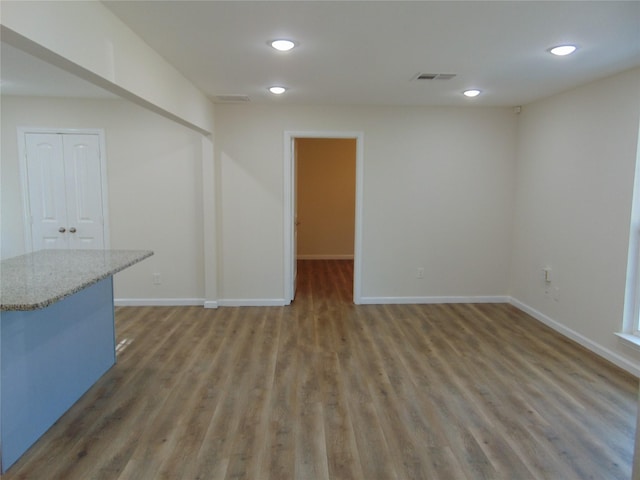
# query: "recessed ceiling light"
471,93
282,44
277,90
562,50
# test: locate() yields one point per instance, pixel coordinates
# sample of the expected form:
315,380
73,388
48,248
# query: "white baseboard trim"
324,257
158,302
187,302
428,300
252,302
579,338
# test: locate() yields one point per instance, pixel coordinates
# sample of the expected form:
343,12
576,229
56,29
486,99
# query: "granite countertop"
38,279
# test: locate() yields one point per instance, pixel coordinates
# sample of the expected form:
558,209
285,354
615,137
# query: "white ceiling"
368,52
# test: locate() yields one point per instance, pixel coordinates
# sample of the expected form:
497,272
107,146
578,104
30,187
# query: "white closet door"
84,191
64,179
47,191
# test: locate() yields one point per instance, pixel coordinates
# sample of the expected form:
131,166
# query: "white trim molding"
210,304
629,338
189,302
430,300
313,256
158,302
252,302
579,338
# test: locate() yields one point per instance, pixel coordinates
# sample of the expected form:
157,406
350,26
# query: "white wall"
154,169
574,184
438,194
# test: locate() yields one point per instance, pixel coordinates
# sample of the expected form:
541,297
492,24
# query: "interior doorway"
325,217
326,198
291,204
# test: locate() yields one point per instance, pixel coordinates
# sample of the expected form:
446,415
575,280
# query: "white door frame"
289,203
24,181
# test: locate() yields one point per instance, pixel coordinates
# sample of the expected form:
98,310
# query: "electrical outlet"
420,273
157,279
547,274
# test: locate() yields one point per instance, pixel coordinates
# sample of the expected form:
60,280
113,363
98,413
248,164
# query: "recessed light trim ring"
282,44
277,89
472,92
562,50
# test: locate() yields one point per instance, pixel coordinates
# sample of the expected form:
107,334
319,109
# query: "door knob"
62,229
72,229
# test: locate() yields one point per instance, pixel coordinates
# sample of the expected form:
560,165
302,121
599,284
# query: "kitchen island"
57,336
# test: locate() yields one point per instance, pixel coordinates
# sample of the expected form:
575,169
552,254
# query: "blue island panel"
48,359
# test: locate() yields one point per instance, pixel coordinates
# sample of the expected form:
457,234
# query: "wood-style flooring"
324,389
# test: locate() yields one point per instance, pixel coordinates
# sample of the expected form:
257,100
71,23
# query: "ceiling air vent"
434,76
231,98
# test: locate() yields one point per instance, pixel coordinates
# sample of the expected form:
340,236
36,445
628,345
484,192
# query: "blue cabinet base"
48,359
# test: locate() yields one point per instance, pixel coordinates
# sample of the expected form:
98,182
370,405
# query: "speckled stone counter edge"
36,280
